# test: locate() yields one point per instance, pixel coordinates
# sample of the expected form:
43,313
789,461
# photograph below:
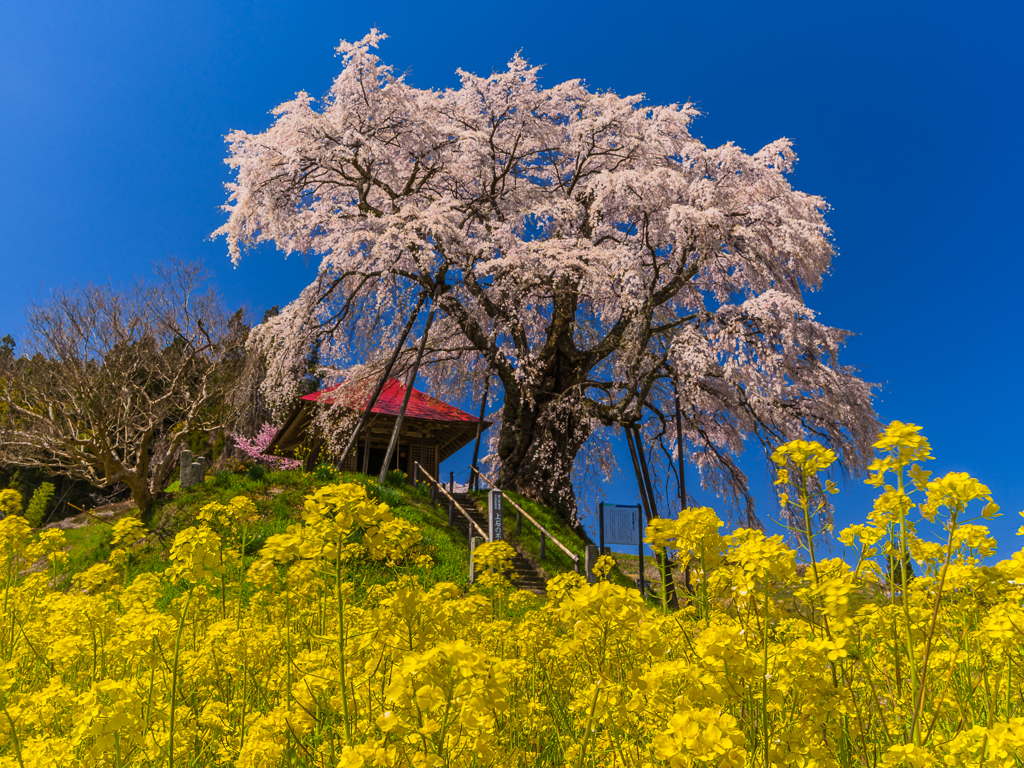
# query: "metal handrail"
472,522
524,513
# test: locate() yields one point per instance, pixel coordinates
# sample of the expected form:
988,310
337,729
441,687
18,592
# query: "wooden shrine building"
432,430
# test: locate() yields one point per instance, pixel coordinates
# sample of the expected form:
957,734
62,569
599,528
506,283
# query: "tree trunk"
142,495
538,444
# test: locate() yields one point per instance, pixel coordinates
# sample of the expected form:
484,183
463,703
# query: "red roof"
421,406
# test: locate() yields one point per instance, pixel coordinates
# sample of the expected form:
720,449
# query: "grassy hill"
278,497
279,502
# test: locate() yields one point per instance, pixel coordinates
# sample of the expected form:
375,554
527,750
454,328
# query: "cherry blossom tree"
254,448
583,251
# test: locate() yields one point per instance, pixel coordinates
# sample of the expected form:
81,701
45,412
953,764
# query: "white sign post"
495,518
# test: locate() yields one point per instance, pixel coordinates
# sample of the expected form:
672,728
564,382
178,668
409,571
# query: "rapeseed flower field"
905,652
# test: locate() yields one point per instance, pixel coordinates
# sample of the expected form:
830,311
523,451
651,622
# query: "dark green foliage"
385,494
894,573
35,513
257,472
395,478
222,479
66,490
325,473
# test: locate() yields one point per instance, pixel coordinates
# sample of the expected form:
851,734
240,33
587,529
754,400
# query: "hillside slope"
278,499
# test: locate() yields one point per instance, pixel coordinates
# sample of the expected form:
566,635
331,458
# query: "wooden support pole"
365,417
679,453
649,509
682,475
474,542
366,452
643,470
636,470
314,454
669,585
393,445
475,475
640,550
423,448
590,554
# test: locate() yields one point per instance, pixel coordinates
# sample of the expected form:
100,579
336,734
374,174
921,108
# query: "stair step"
528,578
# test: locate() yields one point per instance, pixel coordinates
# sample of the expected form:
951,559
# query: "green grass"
279,500
89,544
630,565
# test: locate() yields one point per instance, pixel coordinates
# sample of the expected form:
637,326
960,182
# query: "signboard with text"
495,518
621,525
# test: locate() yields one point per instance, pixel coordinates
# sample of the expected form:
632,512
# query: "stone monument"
192,472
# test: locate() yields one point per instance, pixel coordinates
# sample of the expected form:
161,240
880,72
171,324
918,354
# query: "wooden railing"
521,513
452,503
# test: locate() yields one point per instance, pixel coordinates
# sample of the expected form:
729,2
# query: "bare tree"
114,381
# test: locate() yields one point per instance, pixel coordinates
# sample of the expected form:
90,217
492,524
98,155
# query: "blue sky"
906,117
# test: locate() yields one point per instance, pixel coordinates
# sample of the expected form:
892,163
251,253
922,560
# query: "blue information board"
621,524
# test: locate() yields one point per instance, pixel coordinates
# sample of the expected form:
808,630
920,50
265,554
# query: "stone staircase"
530,576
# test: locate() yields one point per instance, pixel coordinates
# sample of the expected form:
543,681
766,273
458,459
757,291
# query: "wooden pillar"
590,555
423,449
314,454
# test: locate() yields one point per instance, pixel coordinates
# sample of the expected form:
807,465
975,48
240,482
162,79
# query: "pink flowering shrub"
254,449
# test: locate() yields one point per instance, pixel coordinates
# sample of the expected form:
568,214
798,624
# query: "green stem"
288,644
241,577
919,702
14,733
911,657
704,598
174,677
341,645
764,679
245,685
664,581
805,505
590,720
